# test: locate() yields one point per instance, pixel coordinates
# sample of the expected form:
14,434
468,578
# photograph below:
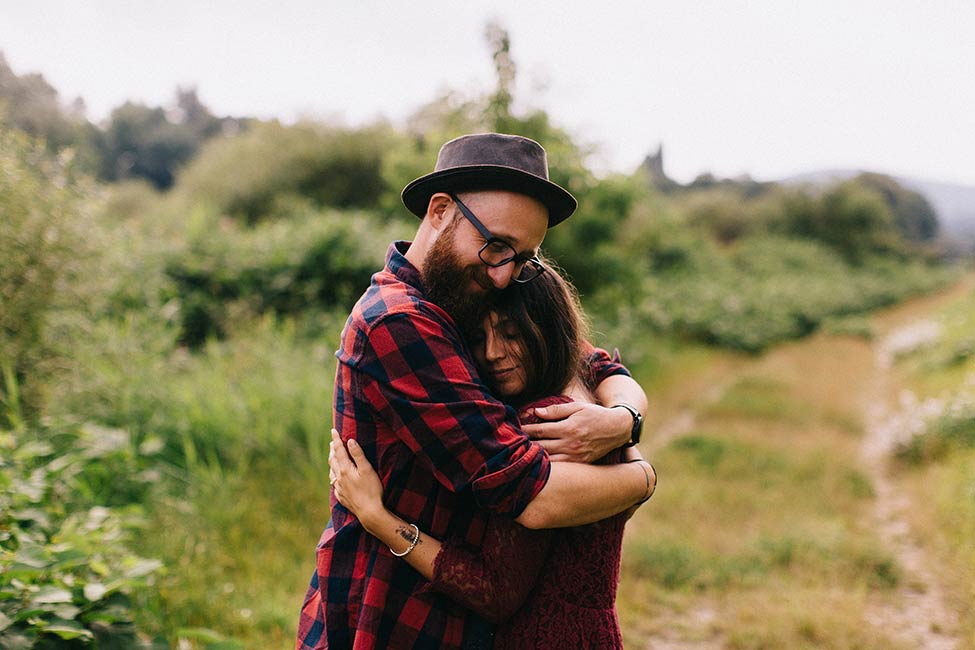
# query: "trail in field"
854,377
918,616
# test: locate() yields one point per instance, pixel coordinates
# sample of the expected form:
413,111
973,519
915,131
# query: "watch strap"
637,423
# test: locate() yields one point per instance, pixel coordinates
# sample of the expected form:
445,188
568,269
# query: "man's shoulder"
388,297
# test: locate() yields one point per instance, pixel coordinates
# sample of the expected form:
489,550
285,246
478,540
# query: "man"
448,452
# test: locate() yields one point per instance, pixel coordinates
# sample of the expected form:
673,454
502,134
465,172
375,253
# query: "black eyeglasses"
497,252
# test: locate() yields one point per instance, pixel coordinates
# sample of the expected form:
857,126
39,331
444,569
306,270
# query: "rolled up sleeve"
427,392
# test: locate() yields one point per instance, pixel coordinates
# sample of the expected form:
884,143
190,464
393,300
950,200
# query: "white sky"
767,87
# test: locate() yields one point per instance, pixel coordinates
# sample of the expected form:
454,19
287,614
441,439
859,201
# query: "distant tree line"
137,141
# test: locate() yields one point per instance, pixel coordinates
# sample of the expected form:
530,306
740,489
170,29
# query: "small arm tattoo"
406,532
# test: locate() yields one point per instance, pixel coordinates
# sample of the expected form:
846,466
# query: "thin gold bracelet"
416,536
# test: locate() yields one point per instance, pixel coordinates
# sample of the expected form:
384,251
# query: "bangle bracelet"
646,472
416,536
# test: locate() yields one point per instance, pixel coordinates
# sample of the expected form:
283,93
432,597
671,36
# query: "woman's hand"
355,483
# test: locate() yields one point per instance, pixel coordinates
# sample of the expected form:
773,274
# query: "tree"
498,109
30,104
913,215
40,249
152,142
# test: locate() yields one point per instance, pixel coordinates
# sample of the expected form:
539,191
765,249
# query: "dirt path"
917,615
857,377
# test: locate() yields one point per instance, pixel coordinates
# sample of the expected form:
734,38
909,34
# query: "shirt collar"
401,267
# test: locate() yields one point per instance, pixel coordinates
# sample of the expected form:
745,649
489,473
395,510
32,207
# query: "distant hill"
954,204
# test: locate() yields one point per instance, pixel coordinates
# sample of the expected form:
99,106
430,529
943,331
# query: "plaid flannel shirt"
446,451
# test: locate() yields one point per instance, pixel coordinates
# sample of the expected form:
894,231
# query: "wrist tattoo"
406,532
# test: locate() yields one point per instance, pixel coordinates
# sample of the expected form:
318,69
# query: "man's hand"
580,432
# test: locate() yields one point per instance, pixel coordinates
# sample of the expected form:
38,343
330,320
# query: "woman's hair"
549,318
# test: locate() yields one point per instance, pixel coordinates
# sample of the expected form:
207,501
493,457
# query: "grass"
941,459
238,554
813,618
759,534
241,427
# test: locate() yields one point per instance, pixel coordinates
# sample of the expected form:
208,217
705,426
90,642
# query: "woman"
545,589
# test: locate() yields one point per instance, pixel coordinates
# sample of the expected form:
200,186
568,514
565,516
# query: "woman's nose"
493,347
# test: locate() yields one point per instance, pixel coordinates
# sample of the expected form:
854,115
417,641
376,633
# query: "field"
787,515
166,365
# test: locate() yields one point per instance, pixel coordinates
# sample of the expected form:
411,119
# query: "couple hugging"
482,462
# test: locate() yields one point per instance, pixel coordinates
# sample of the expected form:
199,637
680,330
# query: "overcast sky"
768,87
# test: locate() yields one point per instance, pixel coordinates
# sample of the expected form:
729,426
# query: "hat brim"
560,204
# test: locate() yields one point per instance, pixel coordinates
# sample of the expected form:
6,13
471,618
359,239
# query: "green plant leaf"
68,630
48,595
15,641
35,515
33,449
203,634
68,612
94,591
143,568
34,557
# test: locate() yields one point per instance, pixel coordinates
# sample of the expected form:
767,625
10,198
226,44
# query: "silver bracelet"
416,538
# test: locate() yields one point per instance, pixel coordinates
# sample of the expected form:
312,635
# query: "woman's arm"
357,487
493,580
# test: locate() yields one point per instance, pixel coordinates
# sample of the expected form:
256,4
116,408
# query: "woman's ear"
438,210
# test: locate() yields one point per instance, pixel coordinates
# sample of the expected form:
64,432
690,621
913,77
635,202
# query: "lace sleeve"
496,579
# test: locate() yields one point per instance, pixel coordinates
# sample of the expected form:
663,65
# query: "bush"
310,263
767,290
41,251
67,575
258,174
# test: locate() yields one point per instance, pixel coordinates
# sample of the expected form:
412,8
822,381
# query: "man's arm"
577,494
584,433
423,386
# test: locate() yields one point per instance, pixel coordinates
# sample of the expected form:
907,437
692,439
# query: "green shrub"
767,290
308,264
41,253
67,575
254,175
953,429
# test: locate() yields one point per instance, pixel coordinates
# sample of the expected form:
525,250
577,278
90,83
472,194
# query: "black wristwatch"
637,423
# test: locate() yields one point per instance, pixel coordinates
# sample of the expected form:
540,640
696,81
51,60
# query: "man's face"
455,278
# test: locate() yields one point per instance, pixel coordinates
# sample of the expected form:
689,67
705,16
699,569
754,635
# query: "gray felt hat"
491,161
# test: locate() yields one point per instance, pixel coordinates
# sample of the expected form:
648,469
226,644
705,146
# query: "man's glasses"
496,252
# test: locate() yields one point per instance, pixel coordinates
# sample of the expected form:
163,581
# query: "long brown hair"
553,329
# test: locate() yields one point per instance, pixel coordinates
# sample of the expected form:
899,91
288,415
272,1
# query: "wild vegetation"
167,360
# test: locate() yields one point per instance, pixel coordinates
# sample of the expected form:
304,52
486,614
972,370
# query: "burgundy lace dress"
545,589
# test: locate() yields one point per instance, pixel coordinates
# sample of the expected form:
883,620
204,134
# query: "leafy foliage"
29,103
40,250
202,320
913,215
270,169
287,267
67,515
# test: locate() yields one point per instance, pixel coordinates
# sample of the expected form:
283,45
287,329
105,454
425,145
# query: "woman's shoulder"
527,412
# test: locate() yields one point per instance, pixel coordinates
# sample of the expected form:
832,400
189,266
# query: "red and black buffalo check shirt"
447,452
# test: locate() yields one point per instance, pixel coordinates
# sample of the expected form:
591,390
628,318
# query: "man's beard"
446,282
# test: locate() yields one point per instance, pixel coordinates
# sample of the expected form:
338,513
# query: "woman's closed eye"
510,333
